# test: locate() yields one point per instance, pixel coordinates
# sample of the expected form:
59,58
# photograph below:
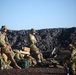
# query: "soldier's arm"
6,39
3,44
31,40
35,41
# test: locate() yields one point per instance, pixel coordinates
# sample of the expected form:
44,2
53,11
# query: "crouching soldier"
6,48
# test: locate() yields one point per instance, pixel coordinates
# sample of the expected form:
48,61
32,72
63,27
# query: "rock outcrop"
48,39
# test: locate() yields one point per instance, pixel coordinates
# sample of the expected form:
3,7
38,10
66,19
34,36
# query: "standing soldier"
34,50
6,48
73,58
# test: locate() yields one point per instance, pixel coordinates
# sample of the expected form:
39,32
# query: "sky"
37,14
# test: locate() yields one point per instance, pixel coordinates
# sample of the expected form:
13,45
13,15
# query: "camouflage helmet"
33,30
3,27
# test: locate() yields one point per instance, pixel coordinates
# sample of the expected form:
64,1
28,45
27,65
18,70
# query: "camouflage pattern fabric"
32,61
4,65
73,57
18,56
34,50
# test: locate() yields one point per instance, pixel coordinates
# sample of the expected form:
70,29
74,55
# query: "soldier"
6,48
34,50
73,58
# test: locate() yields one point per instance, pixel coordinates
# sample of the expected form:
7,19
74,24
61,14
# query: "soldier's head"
33,31
4,28
71,47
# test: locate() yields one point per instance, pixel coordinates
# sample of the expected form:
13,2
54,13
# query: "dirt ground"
34,71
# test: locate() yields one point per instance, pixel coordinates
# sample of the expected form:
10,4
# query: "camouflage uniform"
18,56
4,64
32,61
34,50
73,59
5,47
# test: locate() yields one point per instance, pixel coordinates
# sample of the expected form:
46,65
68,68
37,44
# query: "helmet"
3,27
33,30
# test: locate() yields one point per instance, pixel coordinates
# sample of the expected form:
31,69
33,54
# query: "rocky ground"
34,71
